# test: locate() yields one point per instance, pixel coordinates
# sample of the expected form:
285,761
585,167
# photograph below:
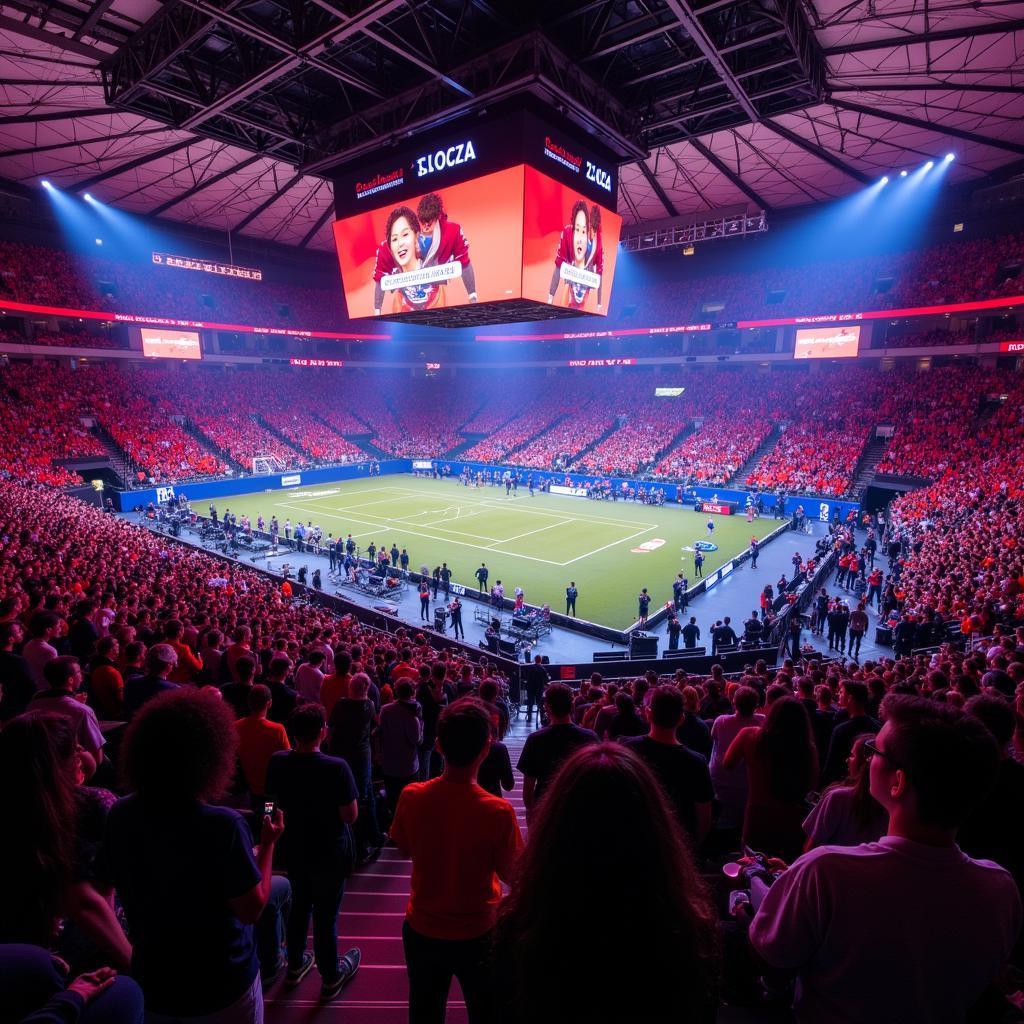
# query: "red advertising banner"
317,363
718,508
1011,346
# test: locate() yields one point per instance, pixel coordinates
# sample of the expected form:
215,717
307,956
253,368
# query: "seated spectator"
994,828
35,988
63,676
106,687
462,840
15,678
50,841
320,801
185,870
782,768
864,927
847,814
139,690
604,815
236,694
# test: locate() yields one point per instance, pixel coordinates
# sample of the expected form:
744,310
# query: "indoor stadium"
494,492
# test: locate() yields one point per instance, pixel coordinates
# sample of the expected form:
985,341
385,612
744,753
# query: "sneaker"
296,974
348,965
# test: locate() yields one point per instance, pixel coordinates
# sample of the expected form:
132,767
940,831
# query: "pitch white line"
520,536
401,528
613,543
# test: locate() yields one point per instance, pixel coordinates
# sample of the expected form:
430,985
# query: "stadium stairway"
210,445
740,476
371,918
280,435
124,468
533,437
583,452
868,465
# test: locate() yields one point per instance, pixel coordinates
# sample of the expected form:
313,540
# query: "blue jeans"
29,980
316,893
270,929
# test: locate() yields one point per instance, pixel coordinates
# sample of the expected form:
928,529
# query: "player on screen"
439,240
401,236
577,247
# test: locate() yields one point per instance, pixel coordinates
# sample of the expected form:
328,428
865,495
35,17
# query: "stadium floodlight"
885,180
99,241
45,184
903,174
928,166
87,197
950,156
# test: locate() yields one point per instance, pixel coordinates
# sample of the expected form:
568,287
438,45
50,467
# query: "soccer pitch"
610,549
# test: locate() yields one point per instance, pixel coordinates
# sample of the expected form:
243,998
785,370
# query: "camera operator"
908,928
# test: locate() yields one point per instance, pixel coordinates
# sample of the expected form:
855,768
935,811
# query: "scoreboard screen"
511,234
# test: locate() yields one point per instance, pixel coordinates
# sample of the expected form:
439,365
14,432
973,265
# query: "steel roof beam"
937,36
815,150
205,183
940,129
57,115
725,169
696,31
652,180
131,165
267,203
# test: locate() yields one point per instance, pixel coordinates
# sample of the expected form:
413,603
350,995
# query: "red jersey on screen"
448,243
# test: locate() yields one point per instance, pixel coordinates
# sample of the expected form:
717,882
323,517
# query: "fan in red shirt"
439,241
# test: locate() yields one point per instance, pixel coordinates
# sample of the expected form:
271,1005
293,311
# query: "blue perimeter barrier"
821,509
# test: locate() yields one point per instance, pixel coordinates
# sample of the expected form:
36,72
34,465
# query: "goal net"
265,465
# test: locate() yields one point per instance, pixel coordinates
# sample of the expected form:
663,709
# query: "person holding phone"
190,882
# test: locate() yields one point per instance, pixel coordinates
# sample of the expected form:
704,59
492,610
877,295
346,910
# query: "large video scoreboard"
505,218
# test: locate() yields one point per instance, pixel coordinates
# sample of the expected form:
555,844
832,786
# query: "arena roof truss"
228,114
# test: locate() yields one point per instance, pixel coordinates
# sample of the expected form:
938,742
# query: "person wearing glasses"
910,927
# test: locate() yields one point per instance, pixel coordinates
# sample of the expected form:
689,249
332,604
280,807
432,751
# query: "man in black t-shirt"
546,749
691,633
536,681
320,802
684,775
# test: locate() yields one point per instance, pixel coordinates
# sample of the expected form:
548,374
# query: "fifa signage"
824,512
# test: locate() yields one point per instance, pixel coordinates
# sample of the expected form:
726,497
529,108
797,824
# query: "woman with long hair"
606,867
847,814
191,884
51,836
782,768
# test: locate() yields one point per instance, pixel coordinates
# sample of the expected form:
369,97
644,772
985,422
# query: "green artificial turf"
539,543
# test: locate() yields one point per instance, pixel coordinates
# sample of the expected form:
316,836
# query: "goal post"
266,465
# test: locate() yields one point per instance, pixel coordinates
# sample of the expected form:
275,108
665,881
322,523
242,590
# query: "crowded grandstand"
511,515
